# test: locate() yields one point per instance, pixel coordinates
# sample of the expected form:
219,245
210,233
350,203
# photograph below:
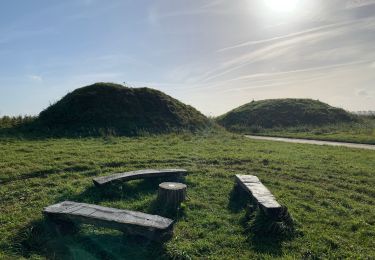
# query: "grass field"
362,131
329,191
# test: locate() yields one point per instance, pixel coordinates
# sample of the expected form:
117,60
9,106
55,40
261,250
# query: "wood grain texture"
151,226
259,193
171,194
140,174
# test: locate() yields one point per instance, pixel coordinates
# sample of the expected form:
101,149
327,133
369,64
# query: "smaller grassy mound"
272,113
120,110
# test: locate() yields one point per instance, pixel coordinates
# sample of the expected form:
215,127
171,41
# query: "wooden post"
171,194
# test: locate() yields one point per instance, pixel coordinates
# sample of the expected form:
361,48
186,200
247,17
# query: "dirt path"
306,141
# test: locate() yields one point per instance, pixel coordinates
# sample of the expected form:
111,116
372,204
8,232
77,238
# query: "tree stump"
171,194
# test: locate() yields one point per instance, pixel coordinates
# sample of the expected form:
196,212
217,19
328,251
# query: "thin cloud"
359,3
363,93
268,79
36,78
286,47
291,35
157,13
283,82
266,53
320,68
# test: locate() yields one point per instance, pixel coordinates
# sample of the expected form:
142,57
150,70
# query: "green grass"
329,192
299,118
362,131
119,110
285,112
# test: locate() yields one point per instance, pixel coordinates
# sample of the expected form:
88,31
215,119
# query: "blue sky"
214,55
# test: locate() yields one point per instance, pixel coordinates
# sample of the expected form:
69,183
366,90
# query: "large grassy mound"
119,109
288,112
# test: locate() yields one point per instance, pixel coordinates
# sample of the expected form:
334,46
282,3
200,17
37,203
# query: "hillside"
289,112
119,109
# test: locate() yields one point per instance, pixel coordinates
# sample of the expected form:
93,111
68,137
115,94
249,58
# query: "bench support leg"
63,227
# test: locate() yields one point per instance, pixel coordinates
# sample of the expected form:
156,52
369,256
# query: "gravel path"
306,141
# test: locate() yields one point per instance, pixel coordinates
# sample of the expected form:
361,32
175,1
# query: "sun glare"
282,5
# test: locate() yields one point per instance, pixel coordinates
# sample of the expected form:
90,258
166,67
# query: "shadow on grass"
159,208
43,238
267,234
264,233
238,199
59,241
131,190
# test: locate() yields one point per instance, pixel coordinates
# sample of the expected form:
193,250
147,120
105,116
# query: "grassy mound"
119,110
288,112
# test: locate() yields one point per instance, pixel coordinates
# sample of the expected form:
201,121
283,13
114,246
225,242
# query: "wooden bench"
134,175
151,226
260,194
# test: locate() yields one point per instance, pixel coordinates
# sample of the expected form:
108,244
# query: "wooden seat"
134,175
259,193
151,226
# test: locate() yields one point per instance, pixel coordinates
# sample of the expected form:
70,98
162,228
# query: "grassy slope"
287,112
299,118
362,131
329,191
122,110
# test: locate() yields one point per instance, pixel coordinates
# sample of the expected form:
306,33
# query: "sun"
282,6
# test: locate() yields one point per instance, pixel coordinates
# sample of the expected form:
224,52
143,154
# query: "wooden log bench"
260,194
137,223
134,175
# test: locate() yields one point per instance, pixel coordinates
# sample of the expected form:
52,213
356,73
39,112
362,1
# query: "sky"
214,55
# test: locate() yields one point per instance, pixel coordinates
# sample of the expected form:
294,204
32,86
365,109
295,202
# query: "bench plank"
133,222
259,193
133,175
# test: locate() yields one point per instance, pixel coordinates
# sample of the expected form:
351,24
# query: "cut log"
171,194
151,226
260,194
141,174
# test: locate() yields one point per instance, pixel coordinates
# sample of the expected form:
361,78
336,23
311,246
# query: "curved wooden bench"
141,174
259,193
151,226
